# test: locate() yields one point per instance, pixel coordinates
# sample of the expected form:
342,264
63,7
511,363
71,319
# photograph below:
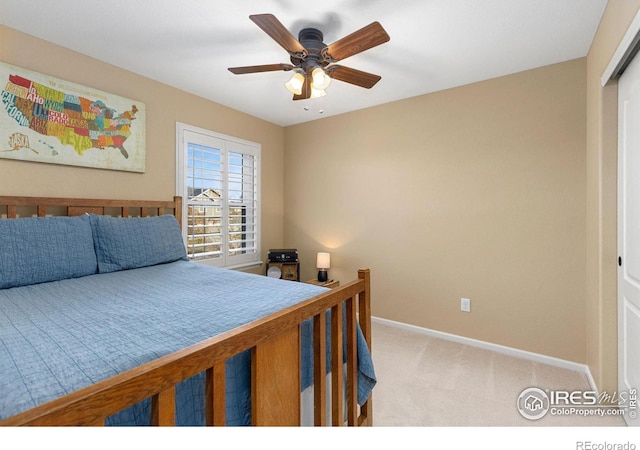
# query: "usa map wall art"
45,119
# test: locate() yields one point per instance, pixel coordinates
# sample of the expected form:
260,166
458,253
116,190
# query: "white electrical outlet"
465,304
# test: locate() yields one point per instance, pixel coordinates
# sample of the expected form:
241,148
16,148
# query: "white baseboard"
510,351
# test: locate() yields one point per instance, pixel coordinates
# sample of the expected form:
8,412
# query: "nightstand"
328,284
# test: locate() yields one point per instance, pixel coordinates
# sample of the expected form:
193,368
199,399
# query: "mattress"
61,336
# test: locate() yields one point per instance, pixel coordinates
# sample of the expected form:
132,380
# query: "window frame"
185,134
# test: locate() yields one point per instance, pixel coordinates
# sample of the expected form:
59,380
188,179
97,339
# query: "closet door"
629,236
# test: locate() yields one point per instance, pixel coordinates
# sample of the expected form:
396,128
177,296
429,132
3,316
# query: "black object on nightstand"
283,263
328,284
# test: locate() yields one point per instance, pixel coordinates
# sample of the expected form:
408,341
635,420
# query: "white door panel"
629,234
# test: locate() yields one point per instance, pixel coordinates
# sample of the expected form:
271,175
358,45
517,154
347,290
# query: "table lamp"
323,262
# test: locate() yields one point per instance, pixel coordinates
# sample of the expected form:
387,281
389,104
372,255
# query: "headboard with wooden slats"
76,206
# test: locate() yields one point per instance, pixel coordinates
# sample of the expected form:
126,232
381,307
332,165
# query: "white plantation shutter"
218,179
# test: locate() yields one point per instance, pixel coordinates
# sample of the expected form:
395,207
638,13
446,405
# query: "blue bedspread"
58,337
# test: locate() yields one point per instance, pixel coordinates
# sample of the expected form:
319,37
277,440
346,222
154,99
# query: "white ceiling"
435,44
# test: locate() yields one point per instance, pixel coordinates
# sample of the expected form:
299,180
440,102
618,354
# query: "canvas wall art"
45,119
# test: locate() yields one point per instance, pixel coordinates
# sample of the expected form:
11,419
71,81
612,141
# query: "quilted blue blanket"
61,336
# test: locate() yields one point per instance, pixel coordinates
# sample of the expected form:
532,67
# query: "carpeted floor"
426,381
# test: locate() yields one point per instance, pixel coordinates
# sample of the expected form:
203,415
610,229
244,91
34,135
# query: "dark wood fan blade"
306,90
353,76
358,41
274,28
262,68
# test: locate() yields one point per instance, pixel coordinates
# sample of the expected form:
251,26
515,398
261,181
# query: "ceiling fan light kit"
312,61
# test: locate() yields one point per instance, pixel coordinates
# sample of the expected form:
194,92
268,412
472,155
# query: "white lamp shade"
317,93
295,83
323,261
320,79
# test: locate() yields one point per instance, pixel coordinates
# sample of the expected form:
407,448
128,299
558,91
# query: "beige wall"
602,196
475,192
164,106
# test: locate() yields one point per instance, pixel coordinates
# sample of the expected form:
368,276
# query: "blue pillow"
40,249
128,243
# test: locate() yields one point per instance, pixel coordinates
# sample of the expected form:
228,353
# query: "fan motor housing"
311,39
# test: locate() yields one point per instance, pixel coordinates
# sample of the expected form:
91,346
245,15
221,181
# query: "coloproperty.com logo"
535,403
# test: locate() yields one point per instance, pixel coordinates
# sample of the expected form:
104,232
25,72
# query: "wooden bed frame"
274,342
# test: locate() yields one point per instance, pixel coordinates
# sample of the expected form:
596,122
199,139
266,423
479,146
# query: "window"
218,179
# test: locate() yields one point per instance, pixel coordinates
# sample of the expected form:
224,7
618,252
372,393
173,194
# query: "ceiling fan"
312,61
